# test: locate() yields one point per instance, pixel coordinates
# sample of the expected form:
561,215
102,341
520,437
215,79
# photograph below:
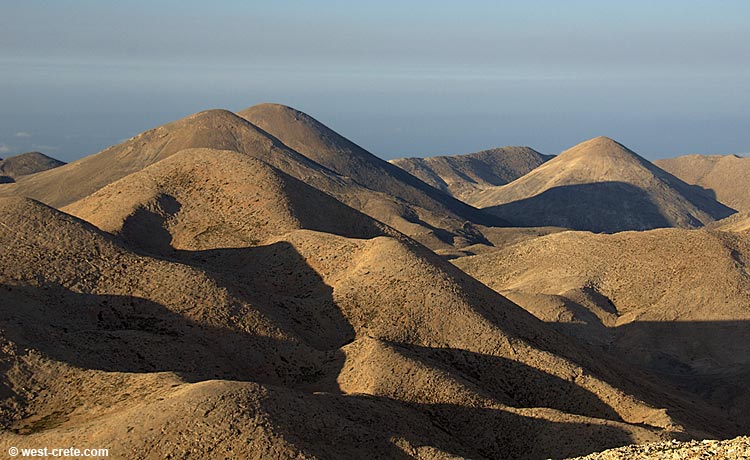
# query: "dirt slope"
673,301
600,185
464,175
731,449
739,222
203,198
726,176
316,141
223,130
218,129
308,344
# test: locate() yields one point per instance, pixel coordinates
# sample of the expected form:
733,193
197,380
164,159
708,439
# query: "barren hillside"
258,286
316,141
600,185
673,301
306,344
24,164
434,225
464,175
726,176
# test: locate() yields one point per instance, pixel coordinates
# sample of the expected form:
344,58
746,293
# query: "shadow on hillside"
364,426
710,359
652,388
147,228
136,335
708,192
509,382
236,341
278,282
604,207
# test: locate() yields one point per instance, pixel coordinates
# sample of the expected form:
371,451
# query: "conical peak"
270,109
601,147
600,142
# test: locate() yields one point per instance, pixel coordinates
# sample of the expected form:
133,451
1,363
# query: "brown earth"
306,344
738,223
217,288
725,176
731,449
600,185
673,302
465,175
434,225
321,144
24,164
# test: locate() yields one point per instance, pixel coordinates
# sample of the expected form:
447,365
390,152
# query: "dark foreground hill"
305,344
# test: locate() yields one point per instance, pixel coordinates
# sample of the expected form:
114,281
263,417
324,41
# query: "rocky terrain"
254,285
417,209
732,449
672,301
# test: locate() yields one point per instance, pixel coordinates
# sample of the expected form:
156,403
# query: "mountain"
435,225
601,186
671,301
218,129
203,198
316,141
306,344
726,176
25,164
464,175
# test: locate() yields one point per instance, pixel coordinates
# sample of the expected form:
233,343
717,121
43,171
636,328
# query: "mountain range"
255,285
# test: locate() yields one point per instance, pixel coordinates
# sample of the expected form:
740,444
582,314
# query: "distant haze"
420,79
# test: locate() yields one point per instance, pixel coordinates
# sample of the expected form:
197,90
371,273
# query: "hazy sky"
400,78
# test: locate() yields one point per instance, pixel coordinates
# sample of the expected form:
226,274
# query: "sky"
401,78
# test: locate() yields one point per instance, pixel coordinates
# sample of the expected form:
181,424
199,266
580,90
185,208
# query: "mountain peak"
324,146
600,185
300,131
600,146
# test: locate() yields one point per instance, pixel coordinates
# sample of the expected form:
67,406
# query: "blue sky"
400,78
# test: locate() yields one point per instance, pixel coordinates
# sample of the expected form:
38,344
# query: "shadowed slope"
596,207
569,189
674,301
202,198
316,141
464,175
26,163
727,176
91,333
